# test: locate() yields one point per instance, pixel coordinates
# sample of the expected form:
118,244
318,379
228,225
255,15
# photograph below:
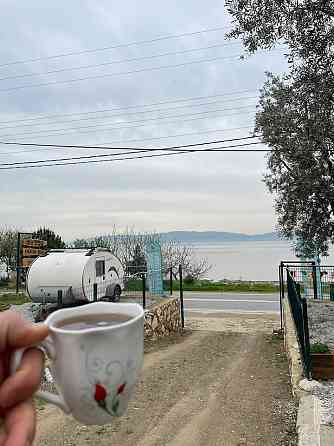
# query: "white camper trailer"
76,272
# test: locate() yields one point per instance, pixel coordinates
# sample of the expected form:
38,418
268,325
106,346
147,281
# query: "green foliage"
12,299
296,112
134,285
189,279
319,348
81,243
298,124
207,286
53,240
4,283
305,27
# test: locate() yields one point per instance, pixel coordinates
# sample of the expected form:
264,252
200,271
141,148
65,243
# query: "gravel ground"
206,388
28,310
321,327
321,322
32,311
324,390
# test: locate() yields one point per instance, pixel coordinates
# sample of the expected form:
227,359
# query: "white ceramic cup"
95,369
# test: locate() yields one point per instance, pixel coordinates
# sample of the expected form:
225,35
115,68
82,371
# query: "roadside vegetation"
319,348
8,299
238,286
209,286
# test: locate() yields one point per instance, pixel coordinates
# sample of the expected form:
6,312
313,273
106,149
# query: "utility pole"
18,261
20,236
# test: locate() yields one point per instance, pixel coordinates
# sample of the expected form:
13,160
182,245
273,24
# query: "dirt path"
205,388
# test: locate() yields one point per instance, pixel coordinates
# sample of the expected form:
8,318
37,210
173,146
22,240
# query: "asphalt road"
200,302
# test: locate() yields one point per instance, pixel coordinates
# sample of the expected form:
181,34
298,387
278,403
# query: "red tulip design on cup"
101,395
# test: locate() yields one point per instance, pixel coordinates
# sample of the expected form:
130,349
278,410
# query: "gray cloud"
198,191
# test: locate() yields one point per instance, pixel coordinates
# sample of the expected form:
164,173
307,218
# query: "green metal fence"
298,306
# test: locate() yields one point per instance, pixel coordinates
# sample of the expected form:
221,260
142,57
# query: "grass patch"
8,299
39,403
277,336
319,348
134,285
207,286
10,284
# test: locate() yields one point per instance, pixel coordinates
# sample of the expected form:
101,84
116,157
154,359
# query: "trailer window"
100,268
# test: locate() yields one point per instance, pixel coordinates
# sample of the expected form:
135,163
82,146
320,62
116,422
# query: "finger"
3,434
4,361
15,332
3,437
25,381
20,425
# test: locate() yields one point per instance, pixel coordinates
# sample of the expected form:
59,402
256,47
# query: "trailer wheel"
116,297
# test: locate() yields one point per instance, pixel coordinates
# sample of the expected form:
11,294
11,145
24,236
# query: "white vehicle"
80,275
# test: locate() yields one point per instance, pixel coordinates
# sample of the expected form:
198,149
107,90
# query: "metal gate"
314,281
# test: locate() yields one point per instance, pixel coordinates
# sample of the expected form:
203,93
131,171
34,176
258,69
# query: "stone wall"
163,319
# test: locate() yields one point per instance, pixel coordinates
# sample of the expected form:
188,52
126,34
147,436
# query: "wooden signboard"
33,243
30,249
32,252
26,262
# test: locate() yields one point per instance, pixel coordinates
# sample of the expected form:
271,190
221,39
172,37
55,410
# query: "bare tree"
8,240
124,245
128,244
175,253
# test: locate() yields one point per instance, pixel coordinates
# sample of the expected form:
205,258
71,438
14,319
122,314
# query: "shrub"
189,279
319,348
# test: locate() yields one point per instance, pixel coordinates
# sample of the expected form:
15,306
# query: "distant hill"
216,236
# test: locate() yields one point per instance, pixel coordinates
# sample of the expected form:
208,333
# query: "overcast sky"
155,102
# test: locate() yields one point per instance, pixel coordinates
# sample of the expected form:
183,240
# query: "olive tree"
295,113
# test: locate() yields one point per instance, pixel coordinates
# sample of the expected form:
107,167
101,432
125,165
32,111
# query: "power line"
129,113
71,146
217,149
133,150
115,62
111,129
112,47
129,107
102,126
121,73
136,121
60,146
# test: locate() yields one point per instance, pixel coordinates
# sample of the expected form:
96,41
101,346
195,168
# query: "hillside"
216,236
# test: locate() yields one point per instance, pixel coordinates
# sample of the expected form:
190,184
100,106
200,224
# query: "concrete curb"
310,431
308,421
326,435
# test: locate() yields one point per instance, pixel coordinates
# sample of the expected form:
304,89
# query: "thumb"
15,332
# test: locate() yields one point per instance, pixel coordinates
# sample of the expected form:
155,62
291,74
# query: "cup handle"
45,346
